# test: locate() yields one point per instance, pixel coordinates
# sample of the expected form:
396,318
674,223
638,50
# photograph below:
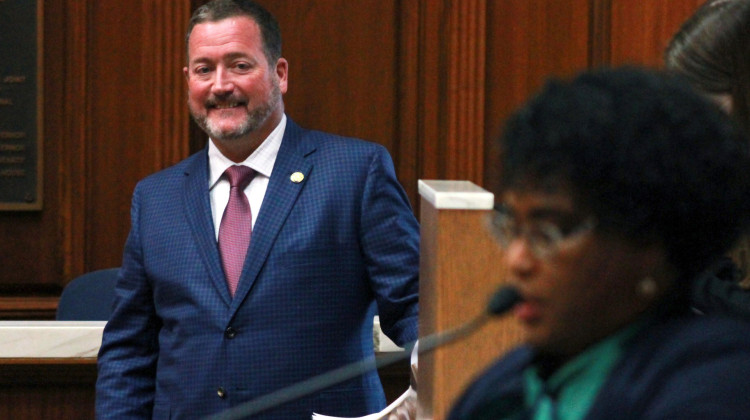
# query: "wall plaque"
21,104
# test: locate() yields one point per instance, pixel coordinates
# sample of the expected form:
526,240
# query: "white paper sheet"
375,416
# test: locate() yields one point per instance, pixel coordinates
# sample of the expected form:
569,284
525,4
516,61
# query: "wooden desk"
33,388
48,369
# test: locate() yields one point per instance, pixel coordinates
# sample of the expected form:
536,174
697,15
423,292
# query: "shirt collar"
570,391
261,160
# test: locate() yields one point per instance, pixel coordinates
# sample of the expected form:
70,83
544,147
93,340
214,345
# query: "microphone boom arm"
503,300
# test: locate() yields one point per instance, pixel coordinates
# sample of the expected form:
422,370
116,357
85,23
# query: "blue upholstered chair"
88,297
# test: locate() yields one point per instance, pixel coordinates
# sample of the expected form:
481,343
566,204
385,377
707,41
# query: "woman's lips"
528,310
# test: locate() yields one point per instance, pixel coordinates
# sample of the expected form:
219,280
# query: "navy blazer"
327,253
681,367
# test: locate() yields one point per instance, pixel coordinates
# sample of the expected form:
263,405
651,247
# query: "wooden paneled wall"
432,80
114,112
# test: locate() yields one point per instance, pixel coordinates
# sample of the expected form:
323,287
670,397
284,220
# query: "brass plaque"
21,104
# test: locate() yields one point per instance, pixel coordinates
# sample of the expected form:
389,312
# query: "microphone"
503,300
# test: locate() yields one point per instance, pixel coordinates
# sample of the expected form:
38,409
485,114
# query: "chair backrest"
88,297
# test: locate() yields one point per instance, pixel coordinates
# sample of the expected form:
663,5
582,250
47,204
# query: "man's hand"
407,410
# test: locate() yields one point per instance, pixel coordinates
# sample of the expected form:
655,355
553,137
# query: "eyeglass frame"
536,235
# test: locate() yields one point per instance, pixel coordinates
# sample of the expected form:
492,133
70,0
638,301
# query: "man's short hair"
217,10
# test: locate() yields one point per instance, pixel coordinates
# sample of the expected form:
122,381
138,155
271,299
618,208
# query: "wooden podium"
460,268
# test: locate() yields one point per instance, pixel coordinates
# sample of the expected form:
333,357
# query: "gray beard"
254,120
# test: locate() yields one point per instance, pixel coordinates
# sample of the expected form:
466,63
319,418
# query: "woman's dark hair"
217,10
712,51
651,159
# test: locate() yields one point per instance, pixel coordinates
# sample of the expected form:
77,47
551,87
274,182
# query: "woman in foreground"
617,188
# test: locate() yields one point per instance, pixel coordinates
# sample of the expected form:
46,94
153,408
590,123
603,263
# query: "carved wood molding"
26,308
408,154
163,58
72,182
464,96
443,60
163,99
600,28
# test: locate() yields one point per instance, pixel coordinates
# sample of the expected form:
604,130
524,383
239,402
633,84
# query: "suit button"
230,333
221,393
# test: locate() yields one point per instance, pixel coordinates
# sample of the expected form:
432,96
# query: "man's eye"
202,70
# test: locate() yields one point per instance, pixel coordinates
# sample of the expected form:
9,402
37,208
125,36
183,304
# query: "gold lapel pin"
297,177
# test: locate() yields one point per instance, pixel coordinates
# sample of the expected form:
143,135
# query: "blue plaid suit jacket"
326,255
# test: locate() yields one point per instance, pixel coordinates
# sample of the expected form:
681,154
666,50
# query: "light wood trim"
460,268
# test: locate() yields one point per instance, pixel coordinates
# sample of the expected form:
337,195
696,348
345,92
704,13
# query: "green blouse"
576,383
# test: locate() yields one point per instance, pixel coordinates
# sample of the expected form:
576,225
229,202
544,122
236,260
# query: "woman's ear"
659,275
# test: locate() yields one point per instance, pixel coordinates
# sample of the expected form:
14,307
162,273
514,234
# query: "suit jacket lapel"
280,197
197,206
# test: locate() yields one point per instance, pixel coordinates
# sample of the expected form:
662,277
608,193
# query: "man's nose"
222,83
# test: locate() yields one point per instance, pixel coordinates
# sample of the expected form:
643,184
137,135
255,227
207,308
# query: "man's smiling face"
233,91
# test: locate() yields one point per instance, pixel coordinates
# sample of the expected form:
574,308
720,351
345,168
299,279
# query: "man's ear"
282,72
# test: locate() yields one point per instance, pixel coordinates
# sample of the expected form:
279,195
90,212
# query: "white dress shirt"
261,160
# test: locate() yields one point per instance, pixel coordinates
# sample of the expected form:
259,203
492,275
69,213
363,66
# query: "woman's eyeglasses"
544,238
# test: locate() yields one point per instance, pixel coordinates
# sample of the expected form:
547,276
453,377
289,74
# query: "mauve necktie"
236,225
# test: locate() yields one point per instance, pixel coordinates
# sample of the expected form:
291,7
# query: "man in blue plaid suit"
334,241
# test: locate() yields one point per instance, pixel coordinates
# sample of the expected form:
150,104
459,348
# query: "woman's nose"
520,258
